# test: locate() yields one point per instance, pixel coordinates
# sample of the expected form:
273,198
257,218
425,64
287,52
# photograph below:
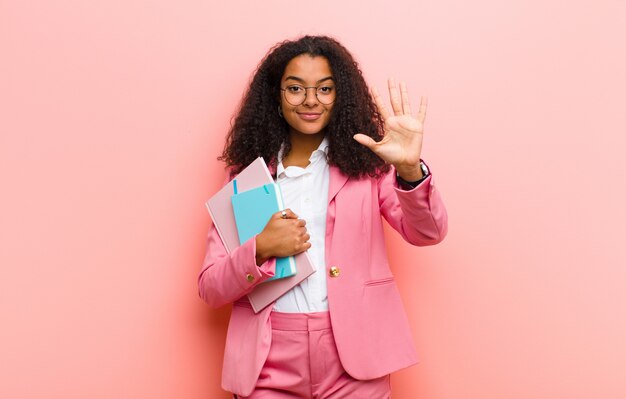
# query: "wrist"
410,184
261,255
410,173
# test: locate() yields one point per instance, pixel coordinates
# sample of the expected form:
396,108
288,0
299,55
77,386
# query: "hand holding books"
282,237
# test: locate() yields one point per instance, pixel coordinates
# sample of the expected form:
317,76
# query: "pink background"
112,115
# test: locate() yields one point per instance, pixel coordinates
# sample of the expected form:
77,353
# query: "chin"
308,130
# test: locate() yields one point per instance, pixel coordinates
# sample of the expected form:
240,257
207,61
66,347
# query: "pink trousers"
303,363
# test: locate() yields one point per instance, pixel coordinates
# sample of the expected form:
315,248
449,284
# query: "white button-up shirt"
305,192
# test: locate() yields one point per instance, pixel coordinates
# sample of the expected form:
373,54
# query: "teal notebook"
253,209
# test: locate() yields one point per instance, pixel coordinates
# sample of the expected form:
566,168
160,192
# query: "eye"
295,89
325,89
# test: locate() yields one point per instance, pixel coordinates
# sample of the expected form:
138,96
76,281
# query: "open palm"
401,145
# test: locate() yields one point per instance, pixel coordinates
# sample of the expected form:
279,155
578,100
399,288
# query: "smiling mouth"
309,116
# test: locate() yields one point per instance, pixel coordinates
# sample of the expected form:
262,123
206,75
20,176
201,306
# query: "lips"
309,116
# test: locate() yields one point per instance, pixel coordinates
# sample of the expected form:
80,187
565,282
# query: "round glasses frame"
306,93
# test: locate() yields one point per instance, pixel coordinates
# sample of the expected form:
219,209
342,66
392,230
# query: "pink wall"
112,115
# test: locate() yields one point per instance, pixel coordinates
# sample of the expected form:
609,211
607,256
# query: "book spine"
279,197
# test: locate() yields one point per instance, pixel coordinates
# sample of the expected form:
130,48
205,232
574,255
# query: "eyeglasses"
296,94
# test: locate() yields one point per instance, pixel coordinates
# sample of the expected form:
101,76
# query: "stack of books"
240,210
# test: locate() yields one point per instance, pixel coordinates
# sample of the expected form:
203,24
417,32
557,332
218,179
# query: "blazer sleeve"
419,214
225,277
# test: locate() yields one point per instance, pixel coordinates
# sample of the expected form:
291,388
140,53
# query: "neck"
302,146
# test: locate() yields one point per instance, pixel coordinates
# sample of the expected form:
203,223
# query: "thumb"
365,140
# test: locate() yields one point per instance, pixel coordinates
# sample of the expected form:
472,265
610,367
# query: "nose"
310,99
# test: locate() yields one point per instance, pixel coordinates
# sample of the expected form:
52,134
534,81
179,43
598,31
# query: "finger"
306,237
380,105
406,104
288,214
301,231
301,223
365,140
421,115
394,97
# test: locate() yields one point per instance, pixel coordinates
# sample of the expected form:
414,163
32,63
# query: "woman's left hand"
401,145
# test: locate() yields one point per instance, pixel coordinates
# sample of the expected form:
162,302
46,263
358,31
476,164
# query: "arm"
419,214
226,277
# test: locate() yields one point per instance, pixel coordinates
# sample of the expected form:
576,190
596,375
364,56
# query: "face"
305,71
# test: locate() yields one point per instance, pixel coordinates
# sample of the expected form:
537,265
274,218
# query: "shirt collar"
320,153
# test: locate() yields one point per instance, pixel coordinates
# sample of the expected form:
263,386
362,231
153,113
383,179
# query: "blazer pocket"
381,281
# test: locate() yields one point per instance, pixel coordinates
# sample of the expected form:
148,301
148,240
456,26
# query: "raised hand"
401,145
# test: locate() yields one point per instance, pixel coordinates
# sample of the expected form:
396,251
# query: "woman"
342,161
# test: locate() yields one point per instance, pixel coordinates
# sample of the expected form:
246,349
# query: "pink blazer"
369,323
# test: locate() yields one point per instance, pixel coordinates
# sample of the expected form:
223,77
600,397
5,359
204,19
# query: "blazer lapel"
337,181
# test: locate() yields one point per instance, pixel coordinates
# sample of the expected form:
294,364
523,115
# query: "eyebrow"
302,80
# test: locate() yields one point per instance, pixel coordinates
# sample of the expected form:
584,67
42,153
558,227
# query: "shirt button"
334,271
249,277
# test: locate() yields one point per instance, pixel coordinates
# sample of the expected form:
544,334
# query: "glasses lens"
295,94
325,94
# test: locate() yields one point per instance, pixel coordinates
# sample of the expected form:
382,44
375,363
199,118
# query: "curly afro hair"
259,131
